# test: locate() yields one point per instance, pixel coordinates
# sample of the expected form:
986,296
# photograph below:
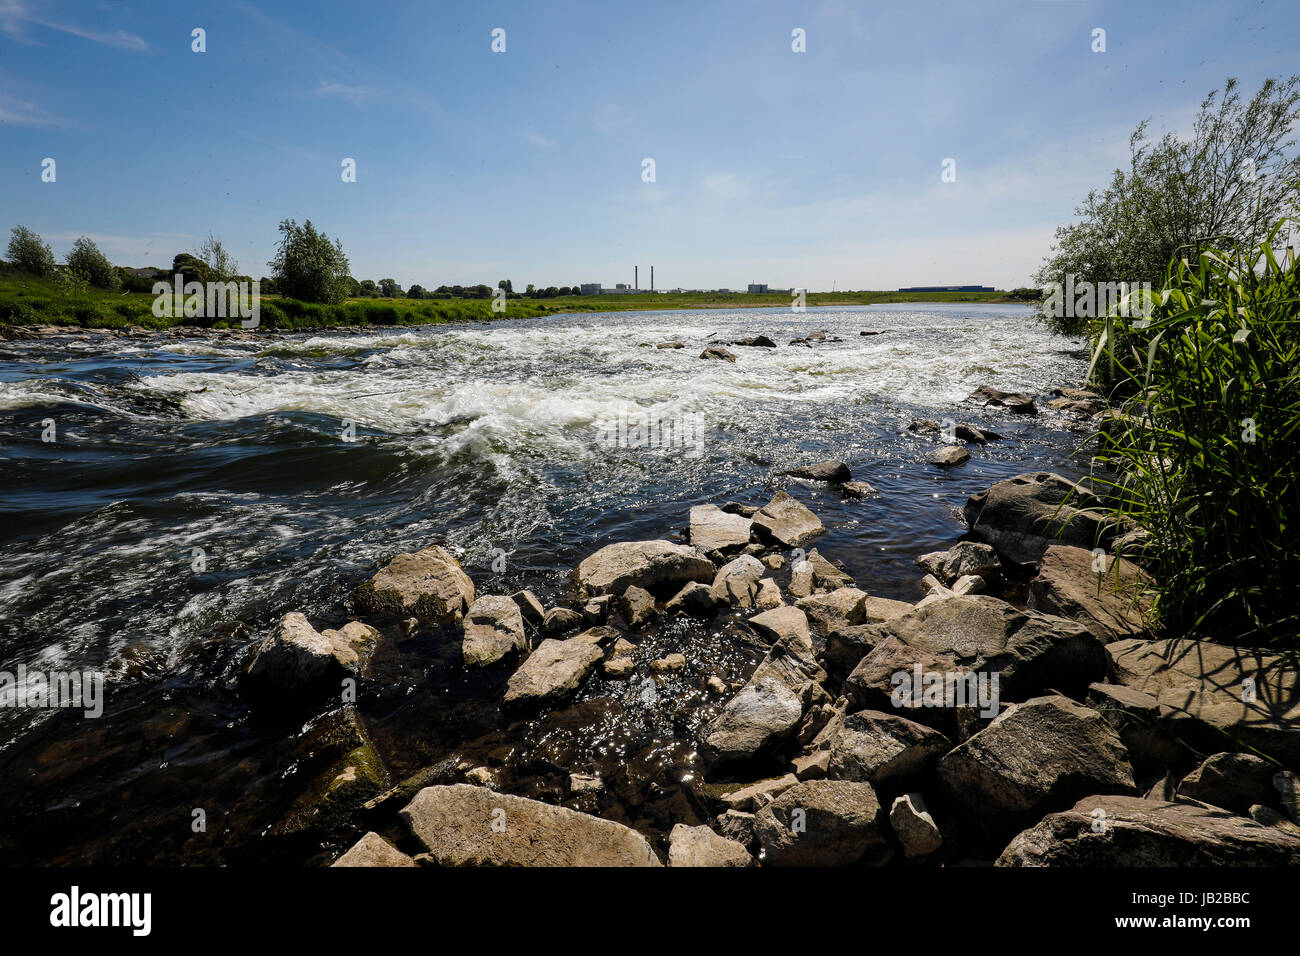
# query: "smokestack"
652,278
636,278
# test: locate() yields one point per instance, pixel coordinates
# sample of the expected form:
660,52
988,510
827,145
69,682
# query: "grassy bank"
27,300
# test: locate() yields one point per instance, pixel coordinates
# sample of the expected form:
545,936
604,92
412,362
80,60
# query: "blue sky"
795,169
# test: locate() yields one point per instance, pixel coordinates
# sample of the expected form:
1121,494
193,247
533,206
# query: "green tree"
1225,184
505,284
308,266
369,289
192,268
86,259
30,253
389,289
213,253
354,288
416,292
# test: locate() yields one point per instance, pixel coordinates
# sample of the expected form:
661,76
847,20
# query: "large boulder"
297,660
1212,695
428,585
736,582
713,529
1035,757
659,567
555,670
874,747
837,609
1016,402
700,846
1235,782
1102,593
781,622
1118,831
793,662
463,825
1022,516
494,631
1029,652
763,714
785,522
820,823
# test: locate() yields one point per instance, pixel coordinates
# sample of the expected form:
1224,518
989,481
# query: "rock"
373,850
969,557
914,827
779,623
531,608
840,608
1203,698
717,685
1022,516
494,631
762,714
553,672
1015,402
1287,785
659,567
1034,758
759,341
969,584
736,508
812,766
713,529
669,665
1234,782
875,747
700,846
832,470
695,599
481,776
932,563
792,661
737,825
671,345
596,611
718,352
736,583
965,432
773,562
1029,652
948,456
1109,603
838,824
825,574
1116,831
1077,394
1267,816
429,585
858,489
786,523
637,605
769,595
801,579
560,619
462,825
755,796
585,783
619,667
297,661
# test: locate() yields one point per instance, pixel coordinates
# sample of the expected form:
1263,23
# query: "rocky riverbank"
1020,713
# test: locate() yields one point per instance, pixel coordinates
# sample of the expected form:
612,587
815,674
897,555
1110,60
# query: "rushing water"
196,483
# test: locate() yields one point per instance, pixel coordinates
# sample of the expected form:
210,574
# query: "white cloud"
15,15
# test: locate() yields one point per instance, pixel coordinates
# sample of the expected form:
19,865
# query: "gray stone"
761,715
713,529
553,672
786,523
875,747
659,567
494,631
1109,603
832,470
914,827
700,846
373,850
736,583
429,585
838,824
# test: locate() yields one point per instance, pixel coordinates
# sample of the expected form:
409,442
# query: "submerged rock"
494,631
1015,402
948,456
297,660
832,470
718,352
463,825
555,670
784,521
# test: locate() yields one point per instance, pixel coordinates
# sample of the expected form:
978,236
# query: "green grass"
1205,455
27,300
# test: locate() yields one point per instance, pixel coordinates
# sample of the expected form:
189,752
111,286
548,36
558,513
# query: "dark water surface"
481,437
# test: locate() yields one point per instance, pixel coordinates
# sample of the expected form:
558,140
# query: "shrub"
86,259
30,253
308,266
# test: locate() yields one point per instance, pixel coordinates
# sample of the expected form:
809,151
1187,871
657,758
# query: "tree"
505,284
1227,184
389,288
529,290
416,292
308,266
221,264
30,253
354,288
86,259
192,268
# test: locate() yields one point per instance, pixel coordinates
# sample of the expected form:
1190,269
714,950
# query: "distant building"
757,287
590,288
620,286
949,288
